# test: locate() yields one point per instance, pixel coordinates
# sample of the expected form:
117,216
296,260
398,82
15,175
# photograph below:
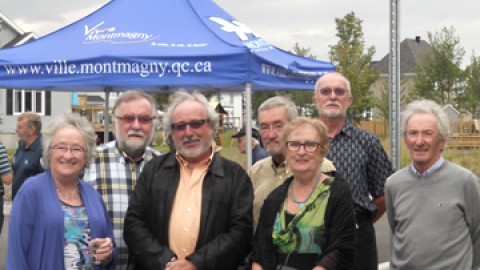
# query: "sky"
283,23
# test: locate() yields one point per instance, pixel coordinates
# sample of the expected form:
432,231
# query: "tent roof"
157,46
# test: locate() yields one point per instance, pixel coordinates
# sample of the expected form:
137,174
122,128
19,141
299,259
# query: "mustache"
190,139
136,133
336,103
267,141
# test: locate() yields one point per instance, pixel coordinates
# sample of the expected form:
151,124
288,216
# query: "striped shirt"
115,175
4,165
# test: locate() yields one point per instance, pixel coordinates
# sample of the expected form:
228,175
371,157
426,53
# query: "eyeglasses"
195,124
413,133
63,149
277,127
142,119
309,146
327,91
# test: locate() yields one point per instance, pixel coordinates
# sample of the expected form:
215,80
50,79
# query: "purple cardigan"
35,236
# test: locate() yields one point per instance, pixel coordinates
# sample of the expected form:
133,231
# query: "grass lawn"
466,158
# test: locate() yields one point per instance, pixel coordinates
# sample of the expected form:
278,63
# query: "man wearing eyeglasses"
269,173
359,157
192,208
118,164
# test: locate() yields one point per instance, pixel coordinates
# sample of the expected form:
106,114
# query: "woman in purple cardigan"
57,220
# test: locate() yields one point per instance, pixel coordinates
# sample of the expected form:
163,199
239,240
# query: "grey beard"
134,151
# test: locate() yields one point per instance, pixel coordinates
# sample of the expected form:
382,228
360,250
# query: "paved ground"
381,227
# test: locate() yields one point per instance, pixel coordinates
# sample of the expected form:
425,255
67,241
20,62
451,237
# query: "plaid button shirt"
361,160
115,175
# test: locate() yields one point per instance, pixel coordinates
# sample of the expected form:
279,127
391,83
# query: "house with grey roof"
16,101
411,53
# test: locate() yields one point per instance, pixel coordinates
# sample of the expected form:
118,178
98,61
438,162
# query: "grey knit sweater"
434,220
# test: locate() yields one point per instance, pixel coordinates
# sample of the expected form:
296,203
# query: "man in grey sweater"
433,205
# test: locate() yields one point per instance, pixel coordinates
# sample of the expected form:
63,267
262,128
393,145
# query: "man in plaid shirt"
118,163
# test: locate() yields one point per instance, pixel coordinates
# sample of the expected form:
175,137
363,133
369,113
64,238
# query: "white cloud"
311,23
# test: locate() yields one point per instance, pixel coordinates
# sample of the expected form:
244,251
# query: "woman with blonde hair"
308,222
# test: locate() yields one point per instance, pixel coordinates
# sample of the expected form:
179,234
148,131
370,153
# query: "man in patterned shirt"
6,177
359,157
118,163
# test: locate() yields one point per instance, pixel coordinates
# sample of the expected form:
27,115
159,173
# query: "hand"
256,266
103,253
181,264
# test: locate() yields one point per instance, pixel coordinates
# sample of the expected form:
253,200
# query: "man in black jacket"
192,208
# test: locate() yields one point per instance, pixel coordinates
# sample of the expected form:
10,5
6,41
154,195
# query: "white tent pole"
248,124
106,114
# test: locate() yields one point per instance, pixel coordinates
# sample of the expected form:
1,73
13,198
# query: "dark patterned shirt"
361,160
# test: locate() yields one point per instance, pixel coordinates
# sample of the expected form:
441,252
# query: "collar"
127,158
431,170
34,144
208,159
280,168
346,130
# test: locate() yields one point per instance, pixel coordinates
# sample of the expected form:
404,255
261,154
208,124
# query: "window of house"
20,101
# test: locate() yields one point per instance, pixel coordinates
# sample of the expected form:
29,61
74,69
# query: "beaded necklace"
67,196
301,203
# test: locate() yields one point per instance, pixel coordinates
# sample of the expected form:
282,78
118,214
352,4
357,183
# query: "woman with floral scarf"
308,222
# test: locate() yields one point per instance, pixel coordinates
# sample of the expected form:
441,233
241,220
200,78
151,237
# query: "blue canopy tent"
157,45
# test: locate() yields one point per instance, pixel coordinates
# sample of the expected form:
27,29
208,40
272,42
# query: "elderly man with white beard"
192,208
118,163
359,157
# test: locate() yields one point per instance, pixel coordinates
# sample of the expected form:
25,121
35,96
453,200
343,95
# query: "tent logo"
235,26
241,31
100,33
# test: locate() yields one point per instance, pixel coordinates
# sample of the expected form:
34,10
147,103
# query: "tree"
354,63
382,102
305,52
439,75
469,100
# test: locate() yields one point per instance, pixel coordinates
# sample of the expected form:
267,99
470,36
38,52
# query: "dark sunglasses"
328,91
195,124
143,119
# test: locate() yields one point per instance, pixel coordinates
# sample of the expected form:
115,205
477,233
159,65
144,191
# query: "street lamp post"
394,78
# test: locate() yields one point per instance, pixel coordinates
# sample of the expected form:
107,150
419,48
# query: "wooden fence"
463,133
376,127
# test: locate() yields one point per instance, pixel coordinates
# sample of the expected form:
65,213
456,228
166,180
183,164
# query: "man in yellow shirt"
192,208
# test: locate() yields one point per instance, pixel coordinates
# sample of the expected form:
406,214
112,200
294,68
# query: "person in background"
361,160
27,159
432,204
308,221
258,152
6,177
116,168
192,208
267,174
57,220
